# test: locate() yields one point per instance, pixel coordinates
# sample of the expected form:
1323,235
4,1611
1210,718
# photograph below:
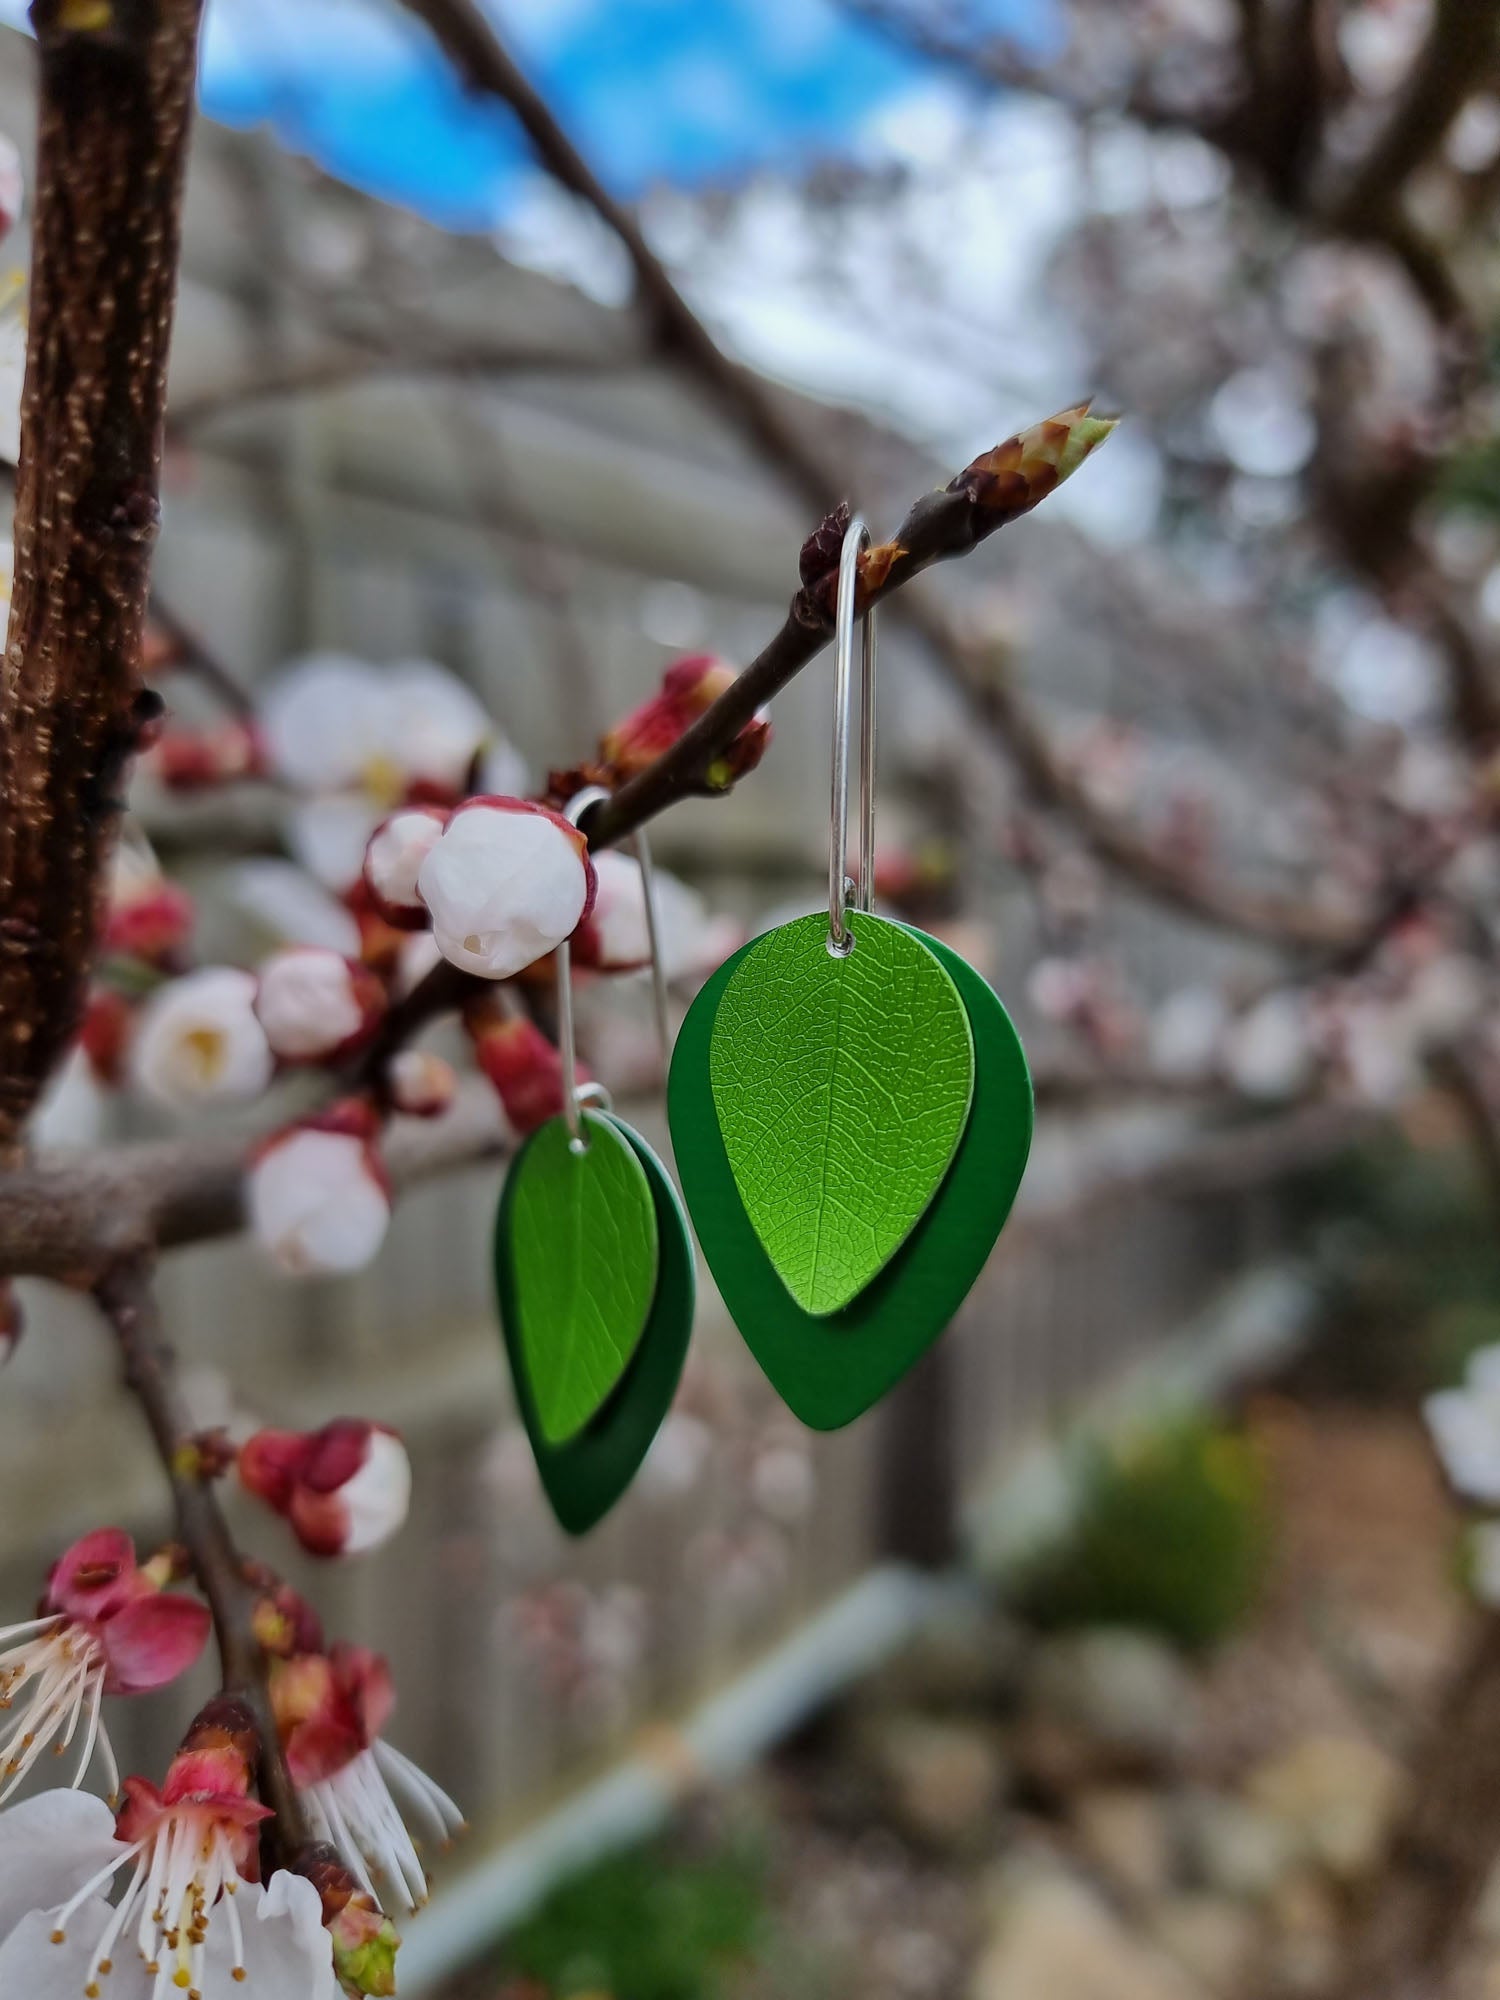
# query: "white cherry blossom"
199,1041
505,885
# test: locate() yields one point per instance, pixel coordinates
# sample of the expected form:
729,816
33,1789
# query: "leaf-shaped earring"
594,1275
851,1110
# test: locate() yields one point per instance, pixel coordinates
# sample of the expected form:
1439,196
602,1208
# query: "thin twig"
126,1297
472,45
317,374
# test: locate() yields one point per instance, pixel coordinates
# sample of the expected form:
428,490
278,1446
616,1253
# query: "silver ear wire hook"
573,1097
840,936
659,999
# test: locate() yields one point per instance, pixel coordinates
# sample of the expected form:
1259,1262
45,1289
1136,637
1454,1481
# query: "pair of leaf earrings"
851,1112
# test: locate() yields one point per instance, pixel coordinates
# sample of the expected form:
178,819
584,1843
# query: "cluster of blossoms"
414,846
160,1890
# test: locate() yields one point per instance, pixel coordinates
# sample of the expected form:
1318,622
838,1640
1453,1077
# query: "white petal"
418,956
504,888
315,1205
329,834
1483,1370
322,720
436,725
619,916
503,771
306,1002
49,1847
1484,1562
1269,1051
291,907
693,942
395,855
288,1954
12,374
31,1964
199,1042
378,1496
1466,1431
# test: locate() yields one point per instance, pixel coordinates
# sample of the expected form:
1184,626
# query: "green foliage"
659,1922
1170,1535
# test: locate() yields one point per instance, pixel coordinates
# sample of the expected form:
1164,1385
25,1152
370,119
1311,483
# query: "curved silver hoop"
840,888
576,1095
567,1040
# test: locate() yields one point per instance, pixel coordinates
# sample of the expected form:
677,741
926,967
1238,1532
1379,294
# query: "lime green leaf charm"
829,1370
842,1087
577,1232
584,1477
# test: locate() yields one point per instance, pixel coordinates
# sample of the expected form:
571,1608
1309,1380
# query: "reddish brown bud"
225,1722
365,1942
191,760
688,687
1010,480
820,552
523,1066
105,1034
742,756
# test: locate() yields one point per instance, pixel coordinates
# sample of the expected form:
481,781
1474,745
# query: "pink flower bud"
344,1489
316,1005
12,185
317,1193
615,937
153,927
105,1033
421,1084
199,1041
505,884
393,860
365,1941
150,918
524,1067
688,687
193,760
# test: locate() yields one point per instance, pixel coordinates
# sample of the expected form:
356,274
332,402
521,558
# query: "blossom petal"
50,1846
152,1641
96,1576
1467,1439
288,1953
32,1964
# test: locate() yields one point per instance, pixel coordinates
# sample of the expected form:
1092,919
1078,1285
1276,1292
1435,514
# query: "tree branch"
74,1216
116,103
469,40
1459,52
318,373
125,1296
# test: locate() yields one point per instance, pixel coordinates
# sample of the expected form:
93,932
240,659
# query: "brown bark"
116,93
